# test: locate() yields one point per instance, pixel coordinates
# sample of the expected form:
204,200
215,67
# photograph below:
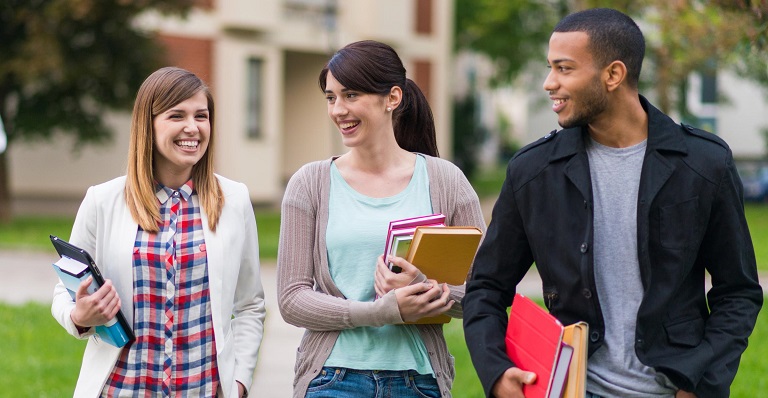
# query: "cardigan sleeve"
306,295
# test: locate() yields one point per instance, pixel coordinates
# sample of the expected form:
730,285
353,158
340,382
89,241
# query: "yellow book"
576,336
444,254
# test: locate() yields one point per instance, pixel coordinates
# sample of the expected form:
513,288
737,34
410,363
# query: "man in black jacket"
623,212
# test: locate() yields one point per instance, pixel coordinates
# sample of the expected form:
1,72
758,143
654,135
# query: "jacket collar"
663,135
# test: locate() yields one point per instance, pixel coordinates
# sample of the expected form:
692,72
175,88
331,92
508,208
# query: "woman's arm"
300,266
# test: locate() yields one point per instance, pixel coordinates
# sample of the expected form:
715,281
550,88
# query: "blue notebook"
76,265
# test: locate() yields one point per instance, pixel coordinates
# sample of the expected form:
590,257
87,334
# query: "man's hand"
510,384
684,394
97,308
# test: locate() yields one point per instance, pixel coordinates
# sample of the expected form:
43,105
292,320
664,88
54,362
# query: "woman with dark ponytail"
335,215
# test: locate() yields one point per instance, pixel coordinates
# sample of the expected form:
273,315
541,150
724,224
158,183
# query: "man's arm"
501,262
736,296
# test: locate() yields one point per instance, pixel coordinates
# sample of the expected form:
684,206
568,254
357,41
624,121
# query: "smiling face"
181,136
360,117
574,81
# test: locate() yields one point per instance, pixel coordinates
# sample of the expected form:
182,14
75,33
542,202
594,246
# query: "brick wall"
192,54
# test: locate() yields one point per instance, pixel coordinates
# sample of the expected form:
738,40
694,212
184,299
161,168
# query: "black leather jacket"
690,220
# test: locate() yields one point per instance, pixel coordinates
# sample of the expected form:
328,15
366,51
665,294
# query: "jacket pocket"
678,223
686,332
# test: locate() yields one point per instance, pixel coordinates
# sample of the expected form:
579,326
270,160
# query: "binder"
74,266
534,342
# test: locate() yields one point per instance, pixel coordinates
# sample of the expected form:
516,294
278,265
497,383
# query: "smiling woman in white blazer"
170,153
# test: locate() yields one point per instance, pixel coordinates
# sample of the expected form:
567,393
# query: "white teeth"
348,125
559,102
187,143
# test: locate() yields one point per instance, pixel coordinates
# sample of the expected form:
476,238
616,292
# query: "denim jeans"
353,383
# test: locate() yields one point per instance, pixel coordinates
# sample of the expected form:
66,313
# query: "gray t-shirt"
614,370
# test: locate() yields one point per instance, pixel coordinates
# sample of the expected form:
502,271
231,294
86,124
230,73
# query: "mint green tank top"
356,234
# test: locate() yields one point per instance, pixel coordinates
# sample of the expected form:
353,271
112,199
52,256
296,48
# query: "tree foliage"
683,36
510,32
63,63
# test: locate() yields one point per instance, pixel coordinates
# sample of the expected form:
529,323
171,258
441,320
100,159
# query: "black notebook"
74,267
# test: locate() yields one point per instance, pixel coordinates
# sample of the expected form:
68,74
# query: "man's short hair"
612,36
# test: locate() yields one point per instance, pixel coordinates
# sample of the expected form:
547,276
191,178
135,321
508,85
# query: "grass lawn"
41,360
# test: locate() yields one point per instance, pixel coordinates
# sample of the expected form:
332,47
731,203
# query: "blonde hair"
162,90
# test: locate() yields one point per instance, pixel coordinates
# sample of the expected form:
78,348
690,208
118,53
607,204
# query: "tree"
64,63
511,33
683,36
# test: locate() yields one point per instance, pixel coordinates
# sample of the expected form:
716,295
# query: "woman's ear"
395,97
614,75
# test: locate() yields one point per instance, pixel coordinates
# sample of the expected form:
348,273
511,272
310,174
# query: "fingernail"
529,378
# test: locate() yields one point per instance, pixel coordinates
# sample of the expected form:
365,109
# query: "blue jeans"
353,383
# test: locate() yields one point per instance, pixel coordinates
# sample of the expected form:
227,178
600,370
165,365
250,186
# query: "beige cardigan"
307,296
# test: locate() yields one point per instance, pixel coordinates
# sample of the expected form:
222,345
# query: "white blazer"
104,227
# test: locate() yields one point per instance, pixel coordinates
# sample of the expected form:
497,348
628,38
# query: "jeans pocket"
425,386
325,379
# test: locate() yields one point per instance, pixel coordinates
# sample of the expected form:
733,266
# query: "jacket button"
594,336
584,247
639,343
587,293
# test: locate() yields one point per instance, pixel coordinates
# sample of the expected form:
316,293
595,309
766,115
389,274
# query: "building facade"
261,60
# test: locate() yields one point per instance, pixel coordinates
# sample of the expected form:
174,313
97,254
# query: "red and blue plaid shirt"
174,354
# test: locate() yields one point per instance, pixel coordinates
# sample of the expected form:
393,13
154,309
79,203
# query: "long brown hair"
162,90
374,68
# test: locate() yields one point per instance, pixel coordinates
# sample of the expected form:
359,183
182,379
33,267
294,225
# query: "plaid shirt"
174,353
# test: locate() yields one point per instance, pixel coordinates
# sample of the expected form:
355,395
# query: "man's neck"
623,124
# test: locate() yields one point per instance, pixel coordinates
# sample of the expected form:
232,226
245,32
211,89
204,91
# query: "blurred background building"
262,58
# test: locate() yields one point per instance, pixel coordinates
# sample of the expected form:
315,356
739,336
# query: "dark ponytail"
414,123
374,68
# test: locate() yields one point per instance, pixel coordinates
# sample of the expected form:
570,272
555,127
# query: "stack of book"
537,342
443,253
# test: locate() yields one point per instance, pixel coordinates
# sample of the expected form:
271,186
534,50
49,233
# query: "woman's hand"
423,300
386,280
97,308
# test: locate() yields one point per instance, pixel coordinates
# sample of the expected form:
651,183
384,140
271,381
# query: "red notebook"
534,343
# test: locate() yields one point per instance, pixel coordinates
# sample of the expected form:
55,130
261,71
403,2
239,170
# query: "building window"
254,112
709,87
424,17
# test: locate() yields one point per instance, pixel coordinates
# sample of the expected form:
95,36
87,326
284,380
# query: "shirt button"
584,247
594,336
176,194
587,293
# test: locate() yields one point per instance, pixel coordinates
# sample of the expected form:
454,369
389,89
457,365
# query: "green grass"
31,233
39,359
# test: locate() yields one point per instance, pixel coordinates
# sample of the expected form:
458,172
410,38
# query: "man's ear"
614,75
